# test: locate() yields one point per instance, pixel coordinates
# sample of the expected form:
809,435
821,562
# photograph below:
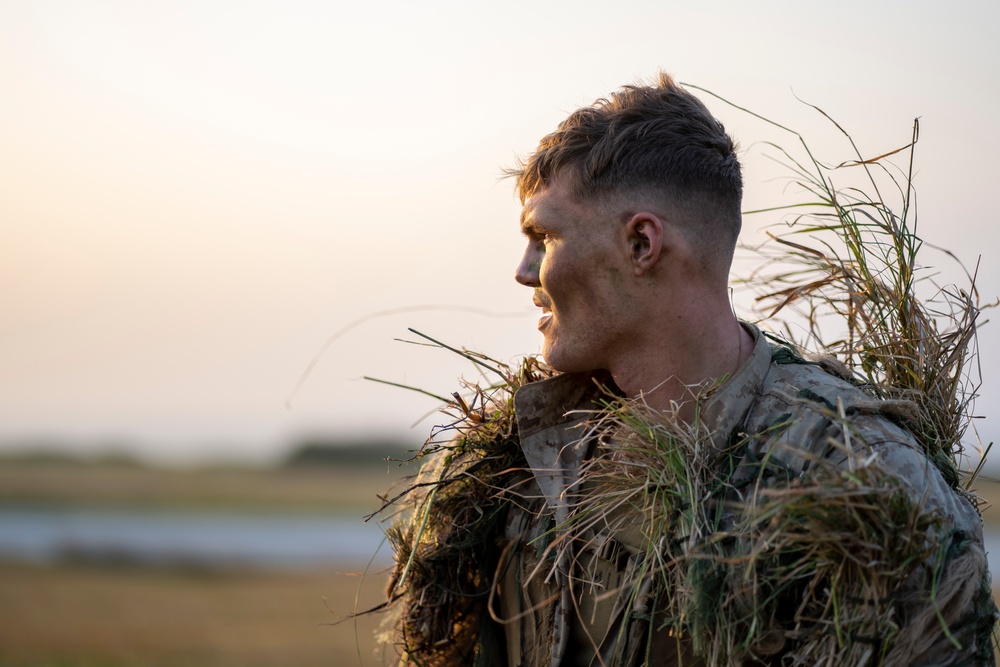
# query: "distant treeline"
48,454
348,453
308,453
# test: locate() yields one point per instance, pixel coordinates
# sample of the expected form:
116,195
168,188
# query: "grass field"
84,617
78,615
319,489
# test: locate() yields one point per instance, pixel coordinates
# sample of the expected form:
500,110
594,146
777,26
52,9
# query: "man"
640,501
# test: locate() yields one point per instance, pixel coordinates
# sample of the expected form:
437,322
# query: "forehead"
551,206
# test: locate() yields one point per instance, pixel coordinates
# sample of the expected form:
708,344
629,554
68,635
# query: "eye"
539,238
536,235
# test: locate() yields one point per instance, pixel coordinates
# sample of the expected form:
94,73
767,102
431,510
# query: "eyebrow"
529,228
530,225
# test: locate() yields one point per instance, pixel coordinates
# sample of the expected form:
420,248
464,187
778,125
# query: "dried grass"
805,566
843,277
447,554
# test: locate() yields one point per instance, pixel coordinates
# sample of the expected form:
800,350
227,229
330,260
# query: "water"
47,534
195,538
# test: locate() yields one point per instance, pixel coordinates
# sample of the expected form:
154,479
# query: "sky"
196,197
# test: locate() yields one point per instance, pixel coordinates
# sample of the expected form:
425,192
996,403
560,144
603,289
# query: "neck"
670,365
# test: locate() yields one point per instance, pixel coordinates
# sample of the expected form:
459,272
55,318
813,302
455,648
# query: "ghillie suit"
811,513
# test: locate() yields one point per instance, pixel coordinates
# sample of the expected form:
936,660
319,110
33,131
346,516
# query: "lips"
540,301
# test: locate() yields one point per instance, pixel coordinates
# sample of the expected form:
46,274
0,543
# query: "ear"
644,234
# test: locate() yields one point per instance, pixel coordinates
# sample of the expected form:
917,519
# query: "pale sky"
194,196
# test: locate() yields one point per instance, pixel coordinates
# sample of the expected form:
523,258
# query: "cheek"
559,273
545,273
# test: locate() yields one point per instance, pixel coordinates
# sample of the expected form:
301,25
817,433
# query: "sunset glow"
194,196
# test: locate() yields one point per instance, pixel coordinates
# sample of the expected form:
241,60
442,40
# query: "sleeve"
947,612
876,558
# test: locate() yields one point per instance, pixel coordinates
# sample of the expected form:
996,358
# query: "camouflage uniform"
778,405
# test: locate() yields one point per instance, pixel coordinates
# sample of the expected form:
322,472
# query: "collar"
551,413
726,406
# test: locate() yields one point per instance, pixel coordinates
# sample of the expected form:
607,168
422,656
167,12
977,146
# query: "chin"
566,361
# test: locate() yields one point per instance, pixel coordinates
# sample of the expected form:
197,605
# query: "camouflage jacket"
596,603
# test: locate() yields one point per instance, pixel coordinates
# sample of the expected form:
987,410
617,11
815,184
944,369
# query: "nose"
527,270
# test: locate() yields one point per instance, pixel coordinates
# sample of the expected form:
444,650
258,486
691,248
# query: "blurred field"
316,489
988,490
81,616
85,615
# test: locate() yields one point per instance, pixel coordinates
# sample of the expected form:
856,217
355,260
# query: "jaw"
566,355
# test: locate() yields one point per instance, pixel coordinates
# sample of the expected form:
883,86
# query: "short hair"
654,139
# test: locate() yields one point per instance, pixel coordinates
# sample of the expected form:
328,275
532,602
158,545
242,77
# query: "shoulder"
794,380
805,414
796,389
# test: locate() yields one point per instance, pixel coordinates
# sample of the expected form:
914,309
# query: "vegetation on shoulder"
749,569
446,543
844,276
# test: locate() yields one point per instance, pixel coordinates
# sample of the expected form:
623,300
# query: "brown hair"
657,139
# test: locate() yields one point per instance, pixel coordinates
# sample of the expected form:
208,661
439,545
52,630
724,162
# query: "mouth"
546,317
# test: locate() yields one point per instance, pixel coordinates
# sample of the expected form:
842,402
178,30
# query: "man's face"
575,261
